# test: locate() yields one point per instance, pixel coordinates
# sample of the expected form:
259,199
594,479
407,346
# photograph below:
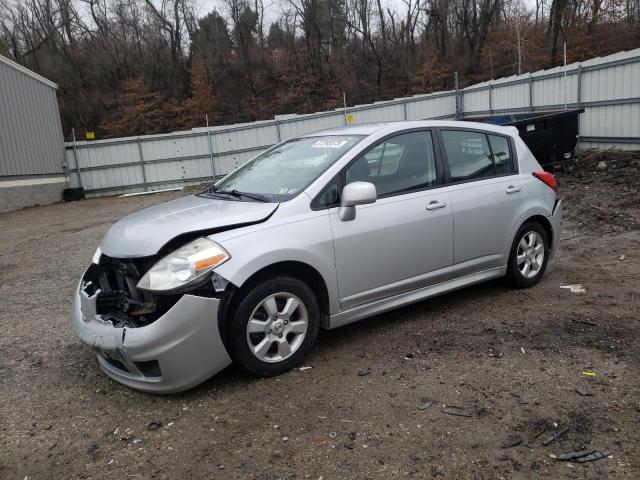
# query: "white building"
31,140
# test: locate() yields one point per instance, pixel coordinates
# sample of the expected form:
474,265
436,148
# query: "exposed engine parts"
118,300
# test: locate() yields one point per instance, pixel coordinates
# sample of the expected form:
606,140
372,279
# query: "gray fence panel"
475,100
511,95
305,124
608,89
390,112
431,106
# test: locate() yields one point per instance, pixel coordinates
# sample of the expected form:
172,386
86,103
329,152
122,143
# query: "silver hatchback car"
318,231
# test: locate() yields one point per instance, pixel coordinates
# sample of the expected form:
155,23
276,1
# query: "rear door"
403,241
487,197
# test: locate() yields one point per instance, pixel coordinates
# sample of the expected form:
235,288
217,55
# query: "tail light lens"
548,179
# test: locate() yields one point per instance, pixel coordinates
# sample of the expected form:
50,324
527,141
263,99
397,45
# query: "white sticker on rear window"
327,143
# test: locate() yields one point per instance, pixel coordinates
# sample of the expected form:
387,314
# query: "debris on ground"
457,411
302,369
424,406
571,455
581,456
364,371
588,373
575,288
154,425
351,444
553,435
512,441
583,393
593,457
586,322
602,165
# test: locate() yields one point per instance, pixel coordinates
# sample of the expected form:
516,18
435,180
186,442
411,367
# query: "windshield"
284,171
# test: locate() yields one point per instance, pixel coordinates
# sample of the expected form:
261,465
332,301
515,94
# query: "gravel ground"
512,361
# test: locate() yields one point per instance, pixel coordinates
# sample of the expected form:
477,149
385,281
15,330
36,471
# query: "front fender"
307,240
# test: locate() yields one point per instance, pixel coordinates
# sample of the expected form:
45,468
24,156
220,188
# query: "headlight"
186,265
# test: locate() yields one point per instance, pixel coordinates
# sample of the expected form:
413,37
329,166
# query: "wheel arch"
294,268
544,223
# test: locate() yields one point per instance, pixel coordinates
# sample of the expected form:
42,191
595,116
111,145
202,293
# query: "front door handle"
511,189
435,204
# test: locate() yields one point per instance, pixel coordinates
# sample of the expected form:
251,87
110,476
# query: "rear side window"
501,154
468,154
400,164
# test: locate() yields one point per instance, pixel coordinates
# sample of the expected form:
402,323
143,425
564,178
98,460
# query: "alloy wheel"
530,254
277,327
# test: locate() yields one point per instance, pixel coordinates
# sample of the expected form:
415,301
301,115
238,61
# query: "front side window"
282,172
400,164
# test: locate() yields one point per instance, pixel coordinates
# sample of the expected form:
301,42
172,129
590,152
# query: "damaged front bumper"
177,351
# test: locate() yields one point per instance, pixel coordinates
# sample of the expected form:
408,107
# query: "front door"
403,241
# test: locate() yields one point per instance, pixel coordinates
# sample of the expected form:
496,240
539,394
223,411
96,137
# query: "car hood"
145,232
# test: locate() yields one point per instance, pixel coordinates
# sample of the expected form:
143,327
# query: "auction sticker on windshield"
328,143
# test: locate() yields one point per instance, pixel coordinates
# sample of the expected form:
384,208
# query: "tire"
517,273
266,315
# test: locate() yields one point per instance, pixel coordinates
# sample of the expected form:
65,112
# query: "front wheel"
529,255
274,326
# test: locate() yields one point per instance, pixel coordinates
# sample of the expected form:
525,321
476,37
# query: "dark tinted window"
501,154
468,155
329,197
400,164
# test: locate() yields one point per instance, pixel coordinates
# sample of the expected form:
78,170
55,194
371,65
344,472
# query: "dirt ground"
512,360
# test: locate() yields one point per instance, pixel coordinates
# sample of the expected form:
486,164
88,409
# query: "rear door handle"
511,189
435,204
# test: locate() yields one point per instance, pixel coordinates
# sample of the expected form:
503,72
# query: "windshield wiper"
238,194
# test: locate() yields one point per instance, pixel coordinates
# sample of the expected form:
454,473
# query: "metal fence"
607,88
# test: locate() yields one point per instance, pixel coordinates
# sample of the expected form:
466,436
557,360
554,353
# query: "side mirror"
355,193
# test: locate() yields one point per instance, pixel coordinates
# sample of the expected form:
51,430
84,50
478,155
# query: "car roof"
390,127
361,129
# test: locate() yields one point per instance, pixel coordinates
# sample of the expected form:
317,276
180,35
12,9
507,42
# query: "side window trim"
515,166
443,153
493,158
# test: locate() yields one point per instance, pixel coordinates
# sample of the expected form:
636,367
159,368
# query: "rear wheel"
274,326
529,255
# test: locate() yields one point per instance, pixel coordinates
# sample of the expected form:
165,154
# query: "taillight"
547,178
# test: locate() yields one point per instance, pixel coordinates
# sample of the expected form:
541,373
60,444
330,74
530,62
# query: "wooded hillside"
127,67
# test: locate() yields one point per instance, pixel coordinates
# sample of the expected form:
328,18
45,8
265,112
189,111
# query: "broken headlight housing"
187,266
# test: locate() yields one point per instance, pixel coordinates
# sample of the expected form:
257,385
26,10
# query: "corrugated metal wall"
31,141
608,88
